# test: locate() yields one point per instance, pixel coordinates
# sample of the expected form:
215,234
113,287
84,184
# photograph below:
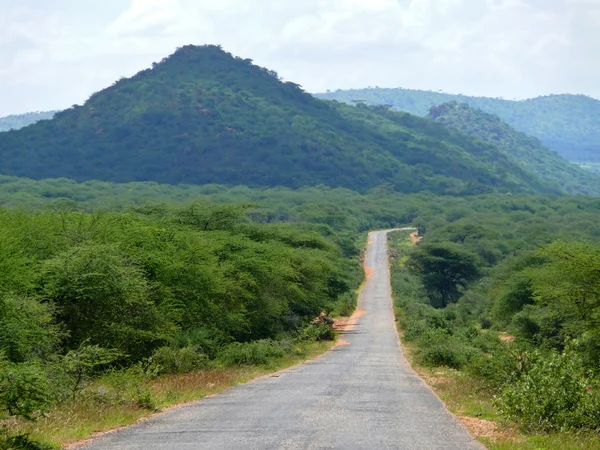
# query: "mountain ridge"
203,116
566,123
526,150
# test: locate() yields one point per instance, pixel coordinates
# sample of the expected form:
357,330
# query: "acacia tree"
446,269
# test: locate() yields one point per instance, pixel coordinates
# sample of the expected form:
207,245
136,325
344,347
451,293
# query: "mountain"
568,124
17,121
204,116
526,150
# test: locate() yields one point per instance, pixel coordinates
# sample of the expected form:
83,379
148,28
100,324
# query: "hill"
526,150
203,116
17,121
568,124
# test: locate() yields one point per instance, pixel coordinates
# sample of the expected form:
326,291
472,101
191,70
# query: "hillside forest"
199,217
568,124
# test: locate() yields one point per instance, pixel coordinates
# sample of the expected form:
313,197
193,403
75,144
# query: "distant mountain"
203,116
527,151
17,121
568,124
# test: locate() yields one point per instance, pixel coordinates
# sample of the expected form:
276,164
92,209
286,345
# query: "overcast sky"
55,53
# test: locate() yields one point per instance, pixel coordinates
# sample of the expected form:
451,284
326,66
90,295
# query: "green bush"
253,353
495,369
24,389
179,360
321,332
554,395
347,304
206,340
23,442
450,353
415,330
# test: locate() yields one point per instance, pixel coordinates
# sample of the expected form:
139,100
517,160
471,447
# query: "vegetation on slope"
203,116
526,150
17,121
568,124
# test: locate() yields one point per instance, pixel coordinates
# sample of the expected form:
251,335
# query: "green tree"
446,269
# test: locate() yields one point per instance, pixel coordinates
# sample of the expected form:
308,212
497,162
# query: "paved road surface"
358,396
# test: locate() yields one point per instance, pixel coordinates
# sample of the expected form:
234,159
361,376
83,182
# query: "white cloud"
53,54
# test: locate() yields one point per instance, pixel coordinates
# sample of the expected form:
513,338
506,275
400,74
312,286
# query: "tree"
445,269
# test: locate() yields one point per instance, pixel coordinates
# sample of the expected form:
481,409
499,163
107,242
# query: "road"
361,395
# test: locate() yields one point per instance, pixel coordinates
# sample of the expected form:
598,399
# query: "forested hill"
526,150
203,116
568,124
17,121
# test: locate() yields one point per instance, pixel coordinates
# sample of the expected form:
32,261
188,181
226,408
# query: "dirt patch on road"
349,323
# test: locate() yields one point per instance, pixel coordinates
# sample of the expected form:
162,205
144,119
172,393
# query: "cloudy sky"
55,53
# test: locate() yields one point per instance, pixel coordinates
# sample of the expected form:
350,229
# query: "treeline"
156,290
17,121
526,150
566,123
204,116
510,295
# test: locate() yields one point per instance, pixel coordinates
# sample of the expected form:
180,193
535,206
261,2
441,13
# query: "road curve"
362,395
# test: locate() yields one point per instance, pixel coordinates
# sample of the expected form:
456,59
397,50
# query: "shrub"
347,304
23,442
450,353
253,353
179,360
24,389
322,332
555,394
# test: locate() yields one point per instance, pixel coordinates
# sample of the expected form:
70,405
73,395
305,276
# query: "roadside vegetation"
114,298
509,342
100,313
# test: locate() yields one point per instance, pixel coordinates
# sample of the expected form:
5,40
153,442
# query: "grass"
80,419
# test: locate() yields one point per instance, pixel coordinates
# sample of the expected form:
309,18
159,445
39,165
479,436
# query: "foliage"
528,151
179,360
555,394
254,353
567,124
203,116
24,389
82,363
17,121
446,270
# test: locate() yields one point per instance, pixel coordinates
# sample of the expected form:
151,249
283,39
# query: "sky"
56,53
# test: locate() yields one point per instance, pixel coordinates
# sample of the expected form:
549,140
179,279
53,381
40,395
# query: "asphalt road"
362,395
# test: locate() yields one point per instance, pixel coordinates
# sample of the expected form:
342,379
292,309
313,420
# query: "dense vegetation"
223,276
156,290
567,124
17,121
526,150
202,116
507,291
